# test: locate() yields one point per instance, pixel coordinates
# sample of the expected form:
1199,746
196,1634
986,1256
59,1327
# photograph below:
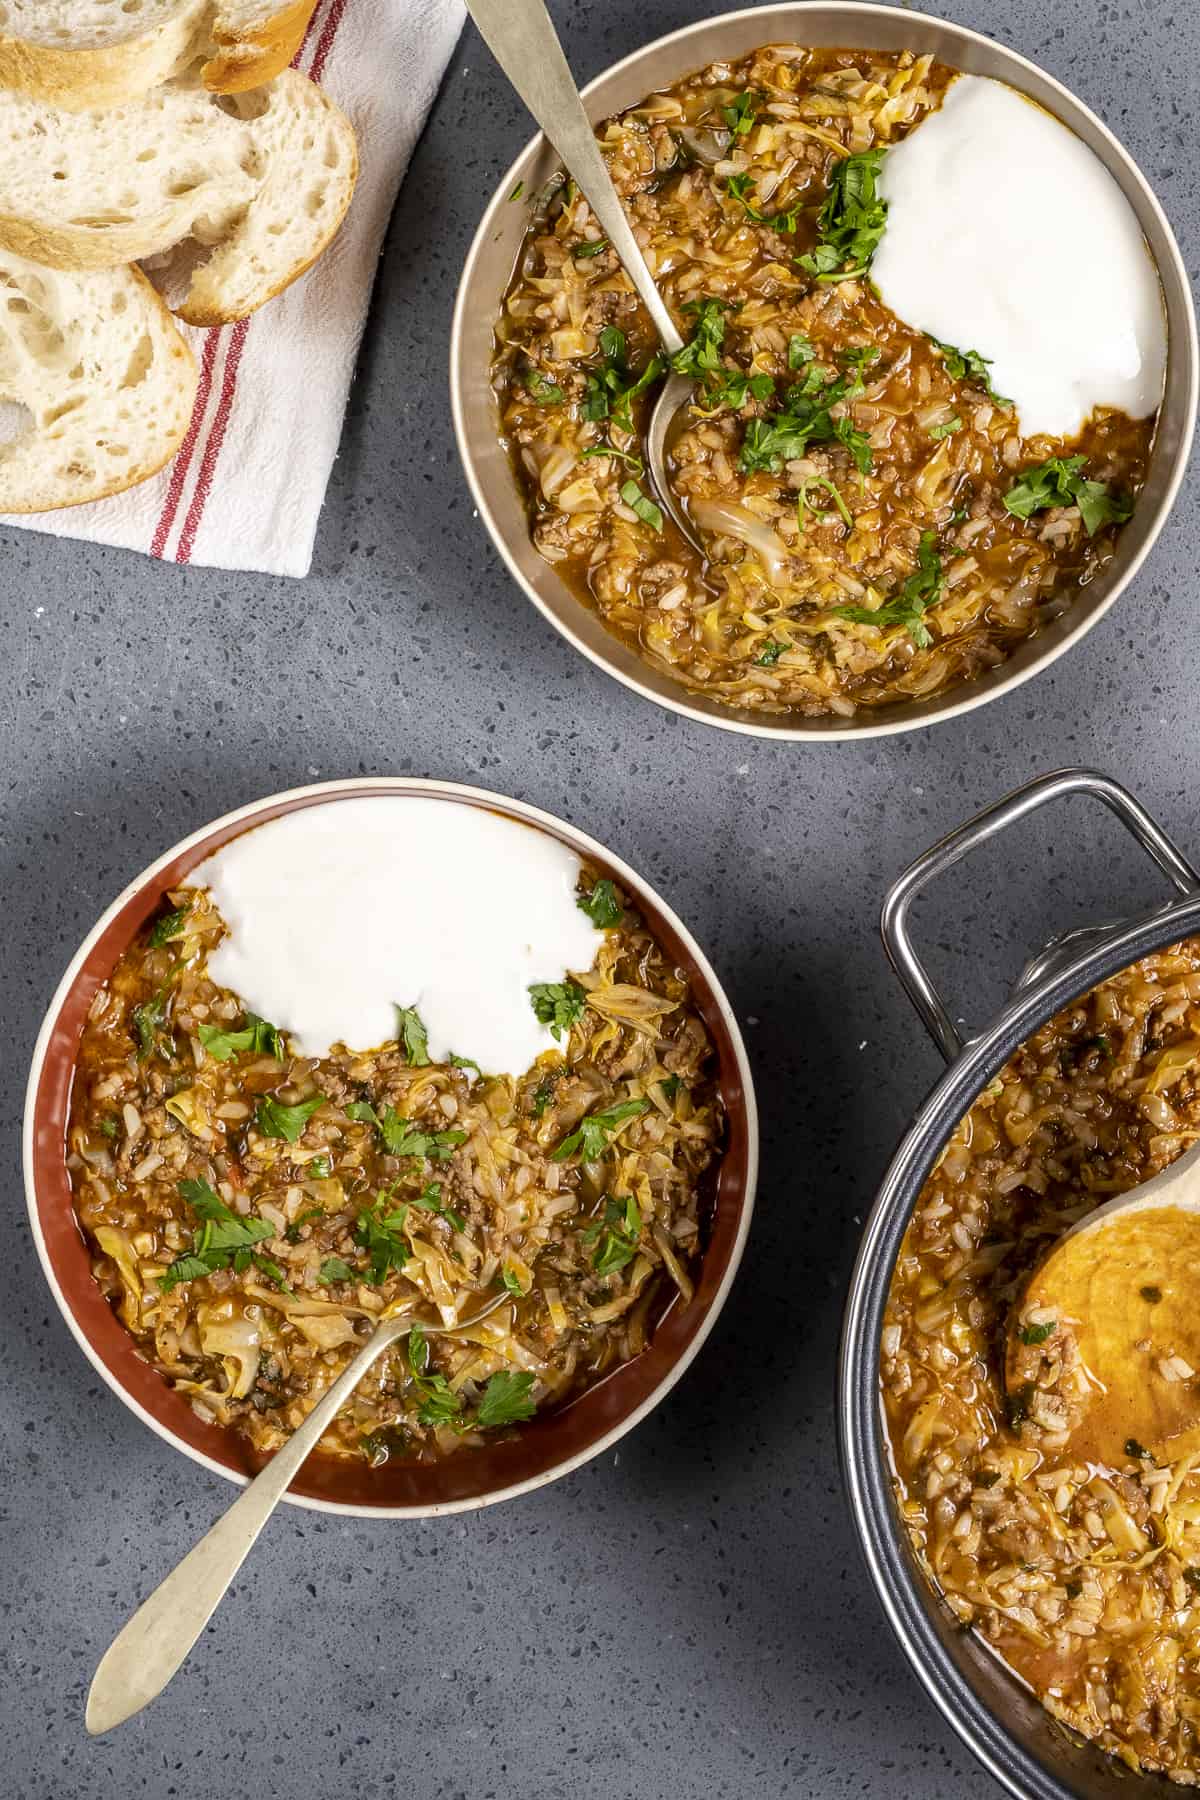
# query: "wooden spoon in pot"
1107,1330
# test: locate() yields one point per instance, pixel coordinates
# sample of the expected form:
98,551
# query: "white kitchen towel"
246,489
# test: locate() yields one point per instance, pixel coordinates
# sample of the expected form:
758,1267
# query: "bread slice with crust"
96,385
77,54
253,40
262,178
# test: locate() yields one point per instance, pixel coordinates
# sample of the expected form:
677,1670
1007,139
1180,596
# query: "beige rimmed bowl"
492,258
552,1444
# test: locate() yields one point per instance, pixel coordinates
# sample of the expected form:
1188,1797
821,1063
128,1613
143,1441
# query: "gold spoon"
1120,1294
522,38
144,1656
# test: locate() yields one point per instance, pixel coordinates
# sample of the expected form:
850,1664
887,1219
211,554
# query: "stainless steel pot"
996,1716
492,257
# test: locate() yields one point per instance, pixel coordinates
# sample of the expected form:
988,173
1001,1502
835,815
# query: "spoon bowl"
1107,1330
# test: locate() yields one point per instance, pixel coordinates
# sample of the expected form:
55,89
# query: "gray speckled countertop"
687,1617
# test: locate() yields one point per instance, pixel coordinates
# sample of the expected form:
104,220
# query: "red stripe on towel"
325,44
186,451
216,437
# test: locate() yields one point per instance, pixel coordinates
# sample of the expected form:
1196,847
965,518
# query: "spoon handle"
522,38
147,1652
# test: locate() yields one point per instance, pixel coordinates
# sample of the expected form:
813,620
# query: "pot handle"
993,819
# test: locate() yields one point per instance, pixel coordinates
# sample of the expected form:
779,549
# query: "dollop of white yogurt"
338,913
1007,235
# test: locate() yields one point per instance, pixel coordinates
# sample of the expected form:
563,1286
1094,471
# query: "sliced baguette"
87,53
264,178
253,41
96,385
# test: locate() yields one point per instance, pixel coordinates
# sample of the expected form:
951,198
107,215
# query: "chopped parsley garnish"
806,419
401,1137
542,389
741,113
701,358
292,1234
558,1004
334,1269
440,1404
968,365
204,1201
615,1235
256,1035
609,391
517,191
109,1126
908,607
1016,1406
148,1021
591,1136
412,1031
858,356
169,926
273,1273
379,1234
701,355
769,653
803,503
670,1085
590,249
275,1120
946,429
851,221
625,456
986,1478
602,905
642,505
738,187
1060,481
799,351
505,1399
612,343
510,1281
1037,1334
224,1240
544,1092
732,388
503,1402
430,1200
418,1350
465,1062
319,1169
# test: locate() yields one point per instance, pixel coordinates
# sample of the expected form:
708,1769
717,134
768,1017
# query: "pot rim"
589,847
905,1593
581,628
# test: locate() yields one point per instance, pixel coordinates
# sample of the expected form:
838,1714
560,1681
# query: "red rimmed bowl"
548,1446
